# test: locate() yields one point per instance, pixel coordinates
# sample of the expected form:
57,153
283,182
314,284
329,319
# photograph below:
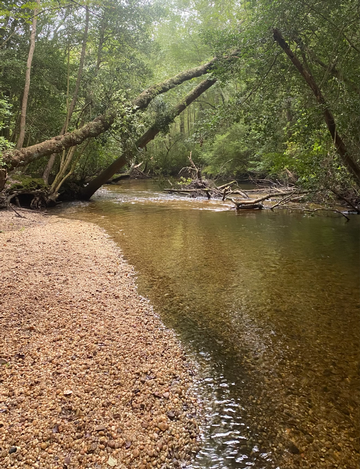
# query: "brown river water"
267,304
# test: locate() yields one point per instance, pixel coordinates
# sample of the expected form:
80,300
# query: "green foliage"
27,183
285,124
228,154
99,155
168,154
5,114
261,116
184,181
115,70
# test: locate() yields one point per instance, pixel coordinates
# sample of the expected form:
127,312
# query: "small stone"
166,395
127,444
163,426
67,392
100,428
112,461
293,448
12,450
92,448
171,415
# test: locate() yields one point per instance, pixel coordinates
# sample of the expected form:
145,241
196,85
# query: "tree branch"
149,135
24,156
340,146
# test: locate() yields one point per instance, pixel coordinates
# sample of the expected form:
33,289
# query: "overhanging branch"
24,156
149,135
340,146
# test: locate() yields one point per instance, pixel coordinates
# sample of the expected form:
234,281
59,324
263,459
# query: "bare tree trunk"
63,173
70,110
21,138
351,165
149,135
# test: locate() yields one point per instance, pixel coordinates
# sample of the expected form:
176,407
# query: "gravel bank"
89,376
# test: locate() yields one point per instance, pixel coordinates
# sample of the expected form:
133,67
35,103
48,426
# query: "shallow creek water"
267,304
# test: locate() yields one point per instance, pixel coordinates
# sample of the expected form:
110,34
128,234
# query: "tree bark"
24,156
350,163
178,109
21,138
149,135
51,161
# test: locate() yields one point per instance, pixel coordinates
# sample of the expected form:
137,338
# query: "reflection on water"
268,303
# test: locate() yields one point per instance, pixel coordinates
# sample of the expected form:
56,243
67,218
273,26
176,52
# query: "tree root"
36,199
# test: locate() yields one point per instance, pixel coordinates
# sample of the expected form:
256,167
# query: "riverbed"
268,306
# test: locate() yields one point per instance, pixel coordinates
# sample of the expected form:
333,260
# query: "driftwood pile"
254,199
203,188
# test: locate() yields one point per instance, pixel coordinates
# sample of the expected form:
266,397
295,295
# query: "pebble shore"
89,376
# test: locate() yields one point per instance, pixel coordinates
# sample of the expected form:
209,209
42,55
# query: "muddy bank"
90,376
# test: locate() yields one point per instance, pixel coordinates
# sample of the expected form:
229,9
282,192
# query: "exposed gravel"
89,376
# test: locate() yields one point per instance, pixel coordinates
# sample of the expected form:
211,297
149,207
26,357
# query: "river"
267,304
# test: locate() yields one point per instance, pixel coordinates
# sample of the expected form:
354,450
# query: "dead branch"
249,201
245,204
225,185
194,167
282,201
239,192
325,210
17,213
345,199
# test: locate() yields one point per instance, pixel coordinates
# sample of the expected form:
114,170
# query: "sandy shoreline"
90,378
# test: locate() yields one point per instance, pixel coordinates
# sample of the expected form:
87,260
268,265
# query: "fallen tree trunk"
249,201
255,203
119,178
149,135
246,204
24,156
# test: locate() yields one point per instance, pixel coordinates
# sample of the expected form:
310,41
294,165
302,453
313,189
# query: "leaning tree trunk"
349,162
21,138
24,156
149,135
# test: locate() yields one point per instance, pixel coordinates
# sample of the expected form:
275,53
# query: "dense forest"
266,88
